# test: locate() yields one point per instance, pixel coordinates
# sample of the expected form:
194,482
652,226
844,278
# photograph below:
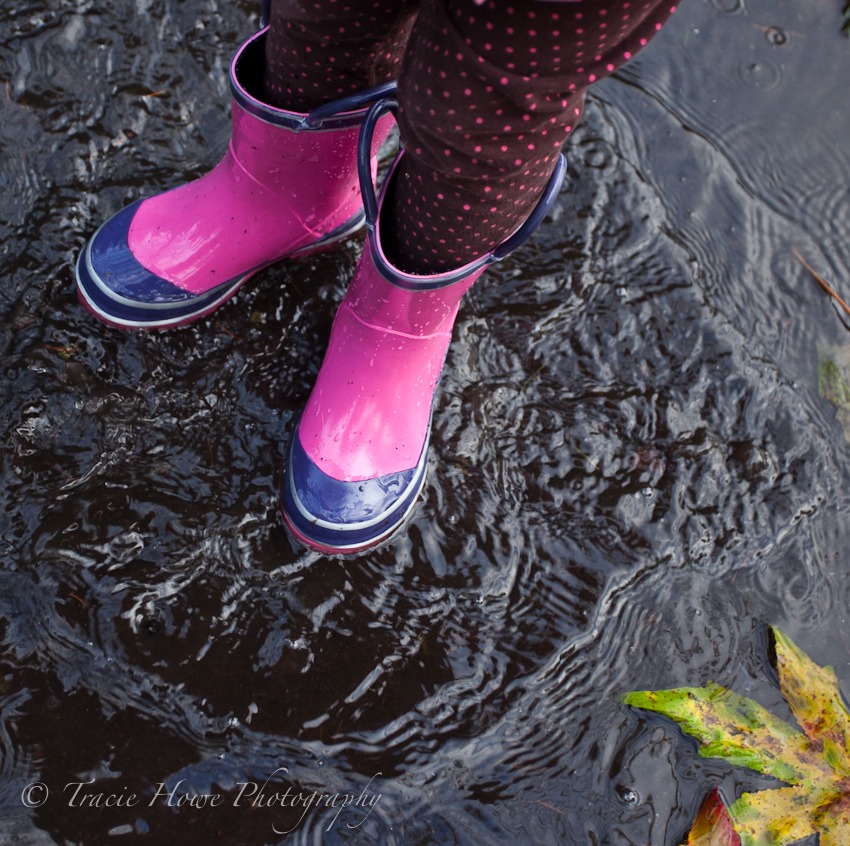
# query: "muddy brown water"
631,471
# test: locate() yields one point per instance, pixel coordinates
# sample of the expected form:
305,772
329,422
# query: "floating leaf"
815,762
834,382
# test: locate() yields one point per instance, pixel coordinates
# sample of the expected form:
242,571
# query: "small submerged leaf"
814,761
65,353
834,381
713,827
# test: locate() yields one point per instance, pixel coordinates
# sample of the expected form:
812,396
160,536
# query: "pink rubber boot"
288,185
357,459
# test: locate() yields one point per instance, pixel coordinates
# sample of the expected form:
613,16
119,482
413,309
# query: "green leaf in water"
834,382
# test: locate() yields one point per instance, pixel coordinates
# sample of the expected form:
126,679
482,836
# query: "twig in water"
227,331
547,805
817,549
64,352
592,462
841,635
526,382
821,280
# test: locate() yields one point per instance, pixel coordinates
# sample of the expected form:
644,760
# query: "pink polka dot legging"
489,90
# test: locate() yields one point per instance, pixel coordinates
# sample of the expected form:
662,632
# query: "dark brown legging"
488,94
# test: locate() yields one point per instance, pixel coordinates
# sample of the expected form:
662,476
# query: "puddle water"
631,468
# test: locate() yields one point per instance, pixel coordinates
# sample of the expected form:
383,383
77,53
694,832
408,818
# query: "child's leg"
321,50
488,95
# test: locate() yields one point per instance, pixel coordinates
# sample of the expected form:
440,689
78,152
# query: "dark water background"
631,469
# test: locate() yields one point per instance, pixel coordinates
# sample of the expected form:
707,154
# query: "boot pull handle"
352,103
370,202
544,204
364,157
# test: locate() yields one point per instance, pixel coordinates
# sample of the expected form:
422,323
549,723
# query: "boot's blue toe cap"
118,289
345,516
